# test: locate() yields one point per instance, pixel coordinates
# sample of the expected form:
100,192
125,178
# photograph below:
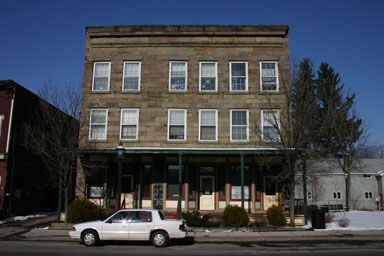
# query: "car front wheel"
90,238
159,239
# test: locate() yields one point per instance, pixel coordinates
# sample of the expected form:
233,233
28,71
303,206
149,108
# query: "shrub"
197,220
235,216
275,216
329,217
82,211
343,222
3,214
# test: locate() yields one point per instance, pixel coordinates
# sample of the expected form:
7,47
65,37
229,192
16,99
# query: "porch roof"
189,151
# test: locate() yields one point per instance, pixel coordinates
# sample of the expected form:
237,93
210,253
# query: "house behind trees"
190,99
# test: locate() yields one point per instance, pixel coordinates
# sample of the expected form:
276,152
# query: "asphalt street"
73,248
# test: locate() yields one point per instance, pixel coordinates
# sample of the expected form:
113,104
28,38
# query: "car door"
140,225
116,227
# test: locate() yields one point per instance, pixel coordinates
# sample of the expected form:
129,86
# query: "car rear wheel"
159,239
90,238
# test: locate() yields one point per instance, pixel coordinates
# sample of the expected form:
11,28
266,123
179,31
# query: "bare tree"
288,125
54,133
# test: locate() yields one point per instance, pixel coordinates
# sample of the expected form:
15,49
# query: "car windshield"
161,214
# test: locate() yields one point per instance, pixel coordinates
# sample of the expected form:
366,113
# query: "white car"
132,224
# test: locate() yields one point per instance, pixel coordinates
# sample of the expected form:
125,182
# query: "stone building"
197,103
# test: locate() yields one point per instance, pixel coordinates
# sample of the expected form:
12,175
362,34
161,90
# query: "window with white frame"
208,76
239,76
178,76
98,124
131,76
269,80
101,76
270,125
208,125
129,124
239,125
368,195
177,123
336,195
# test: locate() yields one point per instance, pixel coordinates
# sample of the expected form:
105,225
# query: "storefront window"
173,181
96,181
236,182
192,183
147,181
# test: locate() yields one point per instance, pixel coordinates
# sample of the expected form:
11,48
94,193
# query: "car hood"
89,223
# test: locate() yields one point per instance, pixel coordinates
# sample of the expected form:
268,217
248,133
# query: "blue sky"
44,41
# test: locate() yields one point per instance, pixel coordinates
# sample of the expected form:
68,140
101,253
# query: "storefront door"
207,195
270,193
127,191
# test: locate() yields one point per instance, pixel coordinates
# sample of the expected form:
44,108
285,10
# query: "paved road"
43,248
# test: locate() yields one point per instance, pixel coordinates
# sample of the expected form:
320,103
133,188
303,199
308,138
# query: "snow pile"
358,220
21,218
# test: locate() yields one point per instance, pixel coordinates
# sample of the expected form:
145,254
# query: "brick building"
194,100
24,184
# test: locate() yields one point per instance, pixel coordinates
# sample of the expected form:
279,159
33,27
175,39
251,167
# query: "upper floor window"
98,124
129,124
208,76
270,125
177,123
101,75
239,125
208,125
131,76
269,79
336,195
178,76
368,195
239,76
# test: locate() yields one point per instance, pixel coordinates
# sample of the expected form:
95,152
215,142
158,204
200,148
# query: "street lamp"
120,156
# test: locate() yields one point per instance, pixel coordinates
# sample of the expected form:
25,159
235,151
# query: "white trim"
261,76
139,82
137,123
106,124
230,135
201,149
1,123
216,124
262,125
216,78
185,124
186,76
109,75
246,76
10,121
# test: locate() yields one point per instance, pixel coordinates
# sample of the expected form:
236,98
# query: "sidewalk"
26,231
219,237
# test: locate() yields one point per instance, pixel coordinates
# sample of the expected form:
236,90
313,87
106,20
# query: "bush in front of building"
235,216
197,220
82,211
3,214
275,216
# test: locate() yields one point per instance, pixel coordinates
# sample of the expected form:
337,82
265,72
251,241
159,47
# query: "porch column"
242,179
180,184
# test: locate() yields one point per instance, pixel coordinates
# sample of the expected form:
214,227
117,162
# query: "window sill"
131,92
177,92
100,92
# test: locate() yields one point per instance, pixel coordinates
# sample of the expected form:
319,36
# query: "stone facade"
155,47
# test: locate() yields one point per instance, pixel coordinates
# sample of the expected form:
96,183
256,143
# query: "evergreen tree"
340,129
